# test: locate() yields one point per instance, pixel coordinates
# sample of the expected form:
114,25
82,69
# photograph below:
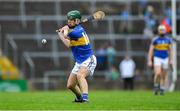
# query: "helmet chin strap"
71,27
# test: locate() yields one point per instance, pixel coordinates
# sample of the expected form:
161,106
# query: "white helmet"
161,28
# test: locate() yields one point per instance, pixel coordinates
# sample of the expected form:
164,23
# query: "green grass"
104,100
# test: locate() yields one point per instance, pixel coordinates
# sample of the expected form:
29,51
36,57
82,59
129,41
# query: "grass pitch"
99,100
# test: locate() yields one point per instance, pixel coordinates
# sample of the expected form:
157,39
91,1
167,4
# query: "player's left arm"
63,36
64,40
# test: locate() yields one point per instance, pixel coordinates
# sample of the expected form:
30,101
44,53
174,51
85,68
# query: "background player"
160,53
74,36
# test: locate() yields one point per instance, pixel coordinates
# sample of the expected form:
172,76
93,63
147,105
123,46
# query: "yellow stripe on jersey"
161,47
81,41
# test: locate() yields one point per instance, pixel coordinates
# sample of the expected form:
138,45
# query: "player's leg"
125,83
72,85
163,81
163,76
131,83
128,83
157,74
87,68
81,77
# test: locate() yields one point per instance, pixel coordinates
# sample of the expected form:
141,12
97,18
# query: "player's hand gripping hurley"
99,15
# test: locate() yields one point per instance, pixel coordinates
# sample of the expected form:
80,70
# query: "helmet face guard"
162,29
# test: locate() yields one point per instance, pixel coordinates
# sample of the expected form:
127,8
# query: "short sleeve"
153,41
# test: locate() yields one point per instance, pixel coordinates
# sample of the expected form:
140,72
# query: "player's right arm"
150,55
63,36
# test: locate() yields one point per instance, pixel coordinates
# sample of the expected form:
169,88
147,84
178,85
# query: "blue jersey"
161,46
79,43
